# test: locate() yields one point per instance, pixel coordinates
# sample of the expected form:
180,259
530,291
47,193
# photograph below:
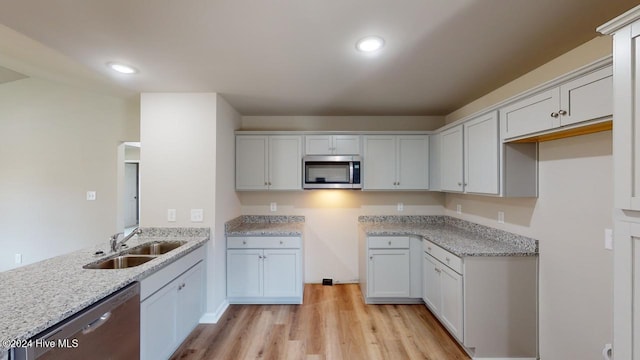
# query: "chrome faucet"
114,239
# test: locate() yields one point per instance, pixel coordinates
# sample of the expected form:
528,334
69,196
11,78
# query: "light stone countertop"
37,296
265,225
462,238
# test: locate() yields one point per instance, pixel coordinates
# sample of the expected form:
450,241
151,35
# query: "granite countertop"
265,225
462,238
37,296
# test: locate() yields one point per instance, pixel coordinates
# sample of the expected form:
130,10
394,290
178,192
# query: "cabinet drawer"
445,257
264,242
388,242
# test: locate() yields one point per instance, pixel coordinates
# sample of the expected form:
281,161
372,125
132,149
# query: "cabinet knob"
370,257
281,242
437,270
459,184
562,112
389,242
244,242
429,248
554,115
448,260
265,183
264,256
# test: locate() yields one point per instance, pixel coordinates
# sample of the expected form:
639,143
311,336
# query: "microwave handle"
350,172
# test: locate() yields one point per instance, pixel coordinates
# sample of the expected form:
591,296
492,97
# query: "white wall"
177,158
568,218
57,142
227,203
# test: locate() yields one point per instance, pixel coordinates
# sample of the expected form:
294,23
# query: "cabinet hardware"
265,183
429,248
370,257
437,270
448,260
554,115
562,112
389,242
244,242
281,242
459,184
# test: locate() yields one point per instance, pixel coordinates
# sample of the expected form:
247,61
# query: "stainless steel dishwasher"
108,329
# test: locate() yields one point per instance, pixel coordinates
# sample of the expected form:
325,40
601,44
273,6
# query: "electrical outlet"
171,215
608,239
273,206
18,259
91,195
400,207
197,215
501,217
459,208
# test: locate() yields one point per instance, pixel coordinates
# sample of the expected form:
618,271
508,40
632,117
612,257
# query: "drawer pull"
437,270
244,242
389,242
448,260
281,242
429,248
370,257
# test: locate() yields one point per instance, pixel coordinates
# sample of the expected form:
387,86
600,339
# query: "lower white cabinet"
173,310
442,293
264,270
392,271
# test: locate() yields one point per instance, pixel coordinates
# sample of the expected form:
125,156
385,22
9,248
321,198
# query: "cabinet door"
190,300
285,162
389,273
346,144
413,162
431,283
588,97
159,323
282,276
451,159
318,145
244,273
536,113
379,162
482,156
451,310
251,162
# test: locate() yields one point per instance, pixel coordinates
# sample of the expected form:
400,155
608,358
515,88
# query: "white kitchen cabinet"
587,97
393,272
482,155
443,288
332,144
626,176
268,162
396,162
264,270
170,311
452,160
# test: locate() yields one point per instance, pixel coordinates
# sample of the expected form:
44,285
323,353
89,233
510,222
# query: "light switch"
197,215
273,207
459,209
18,259
400,207
171,215
91,195
501,217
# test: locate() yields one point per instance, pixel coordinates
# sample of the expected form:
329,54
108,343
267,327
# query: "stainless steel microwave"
332,172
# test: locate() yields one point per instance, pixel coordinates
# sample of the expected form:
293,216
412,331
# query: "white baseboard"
213,317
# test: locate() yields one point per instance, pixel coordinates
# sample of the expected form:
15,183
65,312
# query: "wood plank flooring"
333,323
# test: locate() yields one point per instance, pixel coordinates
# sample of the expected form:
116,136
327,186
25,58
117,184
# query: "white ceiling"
297,57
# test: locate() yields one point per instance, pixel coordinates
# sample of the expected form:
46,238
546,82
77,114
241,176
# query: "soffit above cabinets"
8,75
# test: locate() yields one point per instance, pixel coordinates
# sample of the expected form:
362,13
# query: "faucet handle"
115,236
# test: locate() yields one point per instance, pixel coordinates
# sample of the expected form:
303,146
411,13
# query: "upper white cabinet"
398,162
268,162
587,97
332,144
470,156
451,161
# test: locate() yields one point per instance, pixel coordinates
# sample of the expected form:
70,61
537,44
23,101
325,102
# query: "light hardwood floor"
333,323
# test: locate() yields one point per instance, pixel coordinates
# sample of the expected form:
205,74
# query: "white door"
346,144
588,97
190,300
431,283
318,145
535,113
481,152
251,162
130,194
285,162
451,159
281,273
451,310
413,162
159,323
389,274
379,162
244,273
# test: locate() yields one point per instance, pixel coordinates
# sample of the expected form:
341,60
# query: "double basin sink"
136,256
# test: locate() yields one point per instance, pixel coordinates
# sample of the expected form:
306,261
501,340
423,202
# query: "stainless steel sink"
155,248
120,262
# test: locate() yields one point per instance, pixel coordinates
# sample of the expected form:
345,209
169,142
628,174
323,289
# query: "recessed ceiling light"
370,44
122,68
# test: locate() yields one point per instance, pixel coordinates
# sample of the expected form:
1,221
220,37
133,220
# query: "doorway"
131,195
